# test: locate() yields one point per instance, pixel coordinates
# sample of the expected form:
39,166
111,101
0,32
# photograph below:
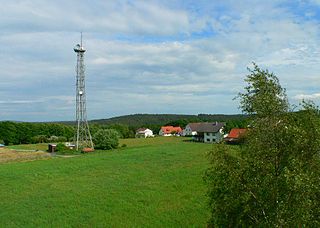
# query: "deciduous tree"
106,139
274,179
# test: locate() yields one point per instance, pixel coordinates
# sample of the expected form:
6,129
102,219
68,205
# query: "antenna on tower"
81,39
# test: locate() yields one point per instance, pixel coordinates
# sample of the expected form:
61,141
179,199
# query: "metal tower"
82,137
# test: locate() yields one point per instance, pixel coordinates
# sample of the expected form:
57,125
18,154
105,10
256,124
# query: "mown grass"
156,141
152,182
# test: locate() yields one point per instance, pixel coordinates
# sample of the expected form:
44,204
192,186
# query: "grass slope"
152,182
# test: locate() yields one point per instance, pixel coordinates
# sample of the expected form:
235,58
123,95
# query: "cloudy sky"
161,56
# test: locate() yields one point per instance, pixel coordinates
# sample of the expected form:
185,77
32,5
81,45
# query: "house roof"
194,126
141,129
237,132
206,127
169,129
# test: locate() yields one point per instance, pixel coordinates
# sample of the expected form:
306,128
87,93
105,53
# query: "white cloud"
150,56
300,97
110,17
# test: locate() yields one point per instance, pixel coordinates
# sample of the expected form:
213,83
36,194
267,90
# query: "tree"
8,132
39,139
123,130
61,148
263,95
178,123
106,139
274,179
236,123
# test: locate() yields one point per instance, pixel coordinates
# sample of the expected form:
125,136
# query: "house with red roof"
235,135
170,130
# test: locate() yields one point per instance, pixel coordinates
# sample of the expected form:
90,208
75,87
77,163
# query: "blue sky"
169,56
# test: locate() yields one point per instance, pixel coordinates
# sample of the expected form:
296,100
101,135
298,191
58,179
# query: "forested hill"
23,133
161,119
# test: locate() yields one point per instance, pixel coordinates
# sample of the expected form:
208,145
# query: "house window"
208,140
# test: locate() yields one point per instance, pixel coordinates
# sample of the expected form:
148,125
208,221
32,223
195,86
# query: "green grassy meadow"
154,182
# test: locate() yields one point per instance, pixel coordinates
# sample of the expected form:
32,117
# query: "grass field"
150,182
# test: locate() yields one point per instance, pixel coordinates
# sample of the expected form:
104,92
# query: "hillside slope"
161,119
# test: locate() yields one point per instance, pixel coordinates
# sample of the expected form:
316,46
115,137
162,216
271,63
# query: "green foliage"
8,132
154,121
274,180
263,95
123,130
179,123
106,139
14,133
39,139
25,133
61,148
226,193
236,123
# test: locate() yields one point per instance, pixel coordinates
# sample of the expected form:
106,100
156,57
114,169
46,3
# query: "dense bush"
61,148
106,139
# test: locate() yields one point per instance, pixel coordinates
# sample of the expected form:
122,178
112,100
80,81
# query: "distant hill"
161,119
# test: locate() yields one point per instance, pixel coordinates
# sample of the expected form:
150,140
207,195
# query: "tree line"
12,133
25,132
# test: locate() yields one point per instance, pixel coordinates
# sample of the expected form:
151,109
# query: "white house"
205,132
144,133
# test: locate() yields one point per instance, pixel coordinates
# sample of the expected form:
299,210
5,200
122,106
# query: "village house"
235,135
144,133
170,130
205,132
191,129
